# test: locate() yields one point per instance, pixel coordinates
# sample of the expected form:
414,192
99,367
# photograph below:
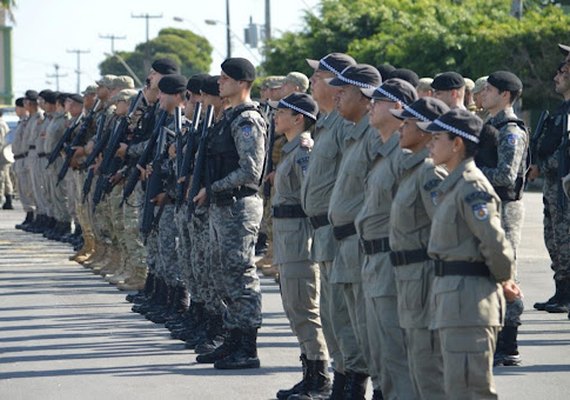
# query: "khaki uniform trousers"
24,185
300,293
332,303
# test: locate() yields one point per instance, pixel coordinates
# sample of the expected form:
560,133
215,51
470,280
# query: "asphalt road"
67,334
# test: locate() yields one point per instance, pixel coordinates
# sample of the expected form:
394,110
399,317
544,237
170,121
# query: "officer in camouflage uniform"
410,223
507,175
316,190
550,154
347,198
236,154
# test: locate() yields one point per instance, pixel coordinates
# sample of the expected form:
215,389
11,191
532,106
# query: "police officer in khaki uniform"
347,198
299,276
316,191
473,260
385,336
410,223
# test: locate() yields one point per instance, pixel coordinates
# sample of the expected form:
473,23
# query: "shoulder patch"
246,131
480,211
512,139
431,184
478,196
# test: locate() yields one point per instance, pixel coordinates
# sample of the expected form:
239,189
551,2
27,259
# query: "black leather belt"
228,197
41,155
32,147
375,246
289,211
344,231
408,257
466,268
318,221
20,156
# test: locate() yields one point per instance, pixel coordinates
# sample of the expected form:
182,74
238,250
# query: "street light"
231,32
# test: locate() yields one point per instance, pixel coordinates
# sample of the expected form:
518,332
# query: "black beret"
172,84
363,76
239,69
385,70
165,66
333,62
301,103
425,109
48,95
195,82
61,97
405,74
396,90
448,81
457,121
210,85
505,80
20,102
31,95
76,98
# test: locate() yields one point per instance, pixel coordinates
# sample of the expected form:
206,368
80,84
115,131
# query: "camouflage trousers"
233,229
557,229
100,218
81,209
512,217
167,237
131,240
184,249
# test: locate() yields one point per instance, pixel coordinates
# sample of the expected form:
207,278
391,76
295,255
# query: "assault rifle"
62,141
185,160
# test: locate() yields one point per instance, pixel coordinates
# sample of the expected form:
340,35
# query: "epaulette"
431,184
478,196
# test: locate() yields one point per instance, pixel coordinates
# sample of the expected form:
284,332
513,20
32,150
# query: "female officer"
410,222
299,276
473,260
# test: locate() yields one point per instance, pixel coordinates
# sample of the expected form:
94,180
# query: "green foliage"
471,37
192,52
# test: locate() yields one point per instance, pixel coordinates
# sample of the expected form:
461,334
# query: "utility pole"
228,30
267,20
112,38
147,17
78,70
517,8
56,75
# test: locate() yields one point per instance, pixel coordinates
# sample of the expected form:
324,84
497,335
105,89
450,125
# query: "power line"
147,17
78,70
112,38
56,75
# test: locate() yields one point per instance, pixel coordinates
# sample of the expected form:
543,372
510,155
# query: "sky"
45,31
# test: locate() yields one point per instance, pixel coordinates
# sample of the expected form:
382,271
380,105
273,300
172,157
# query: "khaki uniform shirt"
410,223
291,236
467,227
320,178
55,130
32,131
19,146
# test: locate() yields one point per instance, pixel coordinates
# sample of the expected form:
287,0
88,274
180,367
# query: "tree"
192,52
471,37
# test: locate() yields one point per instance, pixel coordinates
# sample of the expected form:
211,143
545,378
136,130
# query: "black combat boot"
63,231
36,222
355,386
214,335
339,380
244,355
317,385
161,312
377,395
141,295
261,244
49,227
508,353
297,388
152,300
562,304
541,306
8,204
27,221
231,343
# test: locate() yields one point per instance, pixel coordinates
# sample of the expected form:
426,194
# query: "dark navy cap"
405,74
48,95
195,82
31,95
448,81
333,62
165,66
301,103
363,76
239,69
385,70
20,102
457,121
172,84
425,109
396,90
210,85
505,81
76,98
